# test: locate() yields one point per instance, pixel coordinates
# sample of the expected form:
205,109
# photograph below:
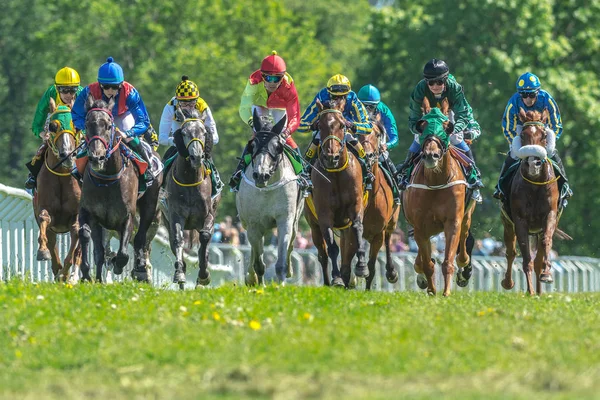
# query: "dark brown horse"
188,187
434,202
56,201
110,197
337,199
533,203
381,214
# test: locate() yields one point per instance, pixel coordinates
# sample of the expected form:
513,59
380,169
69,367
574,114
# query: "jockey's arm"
510,121
137,109
247,102
360,117
78,111
42,110
389,122
463,113
292,110
166,124
555,120
415,112
309,116
211,126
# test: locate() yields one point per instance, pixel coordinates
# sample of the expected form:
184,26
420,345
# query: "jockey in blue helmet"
130,116
369,95
531,97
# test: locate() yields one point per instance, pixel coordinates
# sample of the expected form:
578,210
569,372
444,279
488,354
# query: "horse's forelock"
532,116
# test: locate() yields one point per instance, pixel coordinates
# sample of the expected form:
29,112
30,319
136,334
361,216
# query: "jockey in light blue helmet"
369,95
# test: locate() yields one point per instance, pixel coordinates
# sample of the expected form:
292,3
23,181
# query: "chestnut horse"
381,213
434,202
109,197
533,202
56,201
337,198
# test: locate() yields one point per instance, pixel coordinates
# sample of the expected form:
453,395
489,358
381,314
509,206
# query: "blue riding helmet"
528,82
110,72
369,94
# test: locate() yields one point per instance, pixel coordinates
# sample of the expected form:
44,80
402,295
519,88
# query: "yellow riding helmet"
67,77
338,85
187,90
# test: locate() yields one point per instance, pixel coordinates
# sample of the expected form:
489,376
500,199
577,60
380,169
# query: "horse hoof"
181,285
431,293
338,282
43,255
179,277
203,281
361,271
462,283
140,276
508,284
421,281
392,276
546,278
251,279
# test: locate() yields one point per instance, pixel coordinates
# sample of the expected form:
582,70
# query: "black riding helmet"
435,69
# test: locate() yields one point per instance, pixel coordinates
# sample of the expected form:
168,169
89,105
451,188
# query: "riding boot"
359,152
402,177
475,179
507,163
171,151
151,137
301,179
35,165
565,182
389,165
215,177
236,177
146,155
310,156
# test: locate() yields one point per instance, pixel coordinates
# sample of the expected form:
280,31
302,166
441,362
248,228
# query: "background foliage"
218,43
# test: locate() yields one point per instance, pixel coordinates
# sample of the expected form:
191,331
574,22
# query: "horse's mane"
531,116
99,104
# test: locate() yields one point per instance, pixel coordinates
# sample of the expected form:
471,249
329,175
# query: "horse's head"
531,145
267,148
191,139
99,131
62,139
332,126
435,128
373,142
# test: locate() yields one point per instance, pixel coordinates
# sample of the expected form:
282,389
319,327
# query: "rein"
540,183
52,169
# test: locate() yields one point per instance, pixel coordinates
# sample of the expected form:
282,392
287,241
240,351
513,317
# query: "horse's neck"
443,174
185,172
115,162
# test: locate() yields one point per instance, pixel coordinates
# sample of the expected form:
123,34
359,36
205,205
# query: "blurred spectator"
301,242
216,238
243,234
397,242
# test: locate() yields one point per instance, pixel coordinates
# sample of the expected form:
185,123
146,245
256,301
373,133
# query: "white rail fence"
18,248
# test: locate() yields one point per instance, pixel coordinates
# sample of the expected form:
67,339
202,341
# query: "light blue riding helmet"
528,82
110,72
369,94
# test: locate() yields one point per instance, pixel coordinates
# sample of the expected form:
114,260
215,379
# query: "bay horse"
381,213
56,200
337,199
533,199
109,199
269,197
434,202
188,188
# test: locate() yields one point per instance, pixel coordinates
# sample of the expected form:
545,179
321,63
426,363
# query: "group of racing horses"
113,198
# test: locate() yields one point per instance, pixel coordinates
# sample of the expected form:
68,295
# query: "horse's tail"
561,235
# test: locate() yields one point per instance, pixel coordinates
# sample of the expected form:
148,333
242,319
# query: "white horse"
269,197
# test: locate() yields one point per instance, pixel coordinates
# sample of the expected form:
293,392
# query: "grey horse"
269,197
188,188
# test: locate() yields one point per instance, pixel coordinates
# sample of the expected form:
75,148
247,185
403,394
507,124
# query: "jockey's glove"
351,125
250,122
456,138
419,126
315,125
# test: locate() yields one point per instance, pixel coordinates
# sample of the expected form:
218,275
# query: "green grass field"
134,341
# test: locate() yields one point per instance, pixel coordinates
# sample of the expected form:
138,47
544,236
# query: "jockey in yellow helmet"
63,92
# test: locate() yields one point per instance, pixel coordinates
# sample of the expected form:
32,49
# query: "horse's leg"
425,263
140,245
256,269
205,236
510,242
176,240
43,254
361,269
333,251
348,250
70,259
285,233
452,233
545,247
122,258
523,240
321,253
56,264
465,248
85,235
98,240
376,244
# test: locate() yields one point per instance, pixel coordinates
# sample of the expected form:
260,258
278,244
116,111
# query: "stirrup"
476,195
30,183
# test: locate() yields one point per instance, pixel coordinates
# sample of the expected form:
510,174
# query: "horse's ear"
545,116
319,105
522,114
425,106
52,105
280,125
256,121
445,106
179,116
89,102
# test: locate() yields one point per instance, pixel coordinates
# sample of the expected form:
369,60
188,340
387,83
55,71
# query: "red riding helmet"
273,64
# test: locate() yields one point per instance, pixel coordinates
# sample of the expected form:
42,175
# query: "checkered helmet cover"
187,90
